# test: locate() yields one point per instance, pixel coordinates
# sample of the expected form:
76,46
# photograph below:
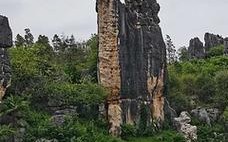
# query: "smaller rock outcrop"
59,116
5,42
212,40
202,115
196,48
226,46
207,116
182,125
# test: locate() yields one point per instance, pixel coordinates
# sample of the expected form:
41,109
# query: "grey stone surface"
226,46
132,59
183,126
202,115
5,42
206,115
196,49
5,33
212,40
59,116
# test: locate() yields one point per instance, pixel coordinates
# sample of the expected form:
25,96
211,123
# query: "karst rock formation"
196,48
5,43
132,61
212,40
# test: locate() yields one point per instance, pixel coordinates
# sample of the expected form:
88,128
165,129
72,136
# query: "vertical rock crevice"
5,43
132,60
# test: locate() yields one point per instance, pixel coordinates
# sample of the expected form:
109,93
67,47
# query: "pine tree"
72,41
42,39
57,43
183,54
28,37
19,41
171,51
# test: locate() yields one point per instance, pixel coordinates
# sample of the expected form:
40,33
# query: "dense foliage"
48,78
202,83
199,83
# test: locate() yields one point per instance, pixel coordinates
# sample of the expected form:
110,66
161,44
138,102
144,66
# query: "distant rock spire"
196,48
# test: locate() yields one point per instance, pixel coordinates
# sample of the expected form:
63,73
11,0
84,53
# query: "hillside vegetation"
50,79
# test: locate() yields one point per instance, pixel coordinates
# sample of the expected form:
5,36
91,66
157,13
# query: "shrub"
221,84
164,136
5,132
216,51
127,131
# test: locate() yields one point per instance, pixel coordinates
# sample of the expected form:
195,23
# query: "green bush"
127,131
213,133
164,136
216,51
73,129
5,132
221,84
198,83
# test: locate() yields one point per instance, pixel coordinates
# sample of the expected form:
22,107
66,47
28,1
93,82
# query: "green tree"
44,42
19,41
28,37
221,84
57,43
216,51
42,39
171,51
72,41
183,54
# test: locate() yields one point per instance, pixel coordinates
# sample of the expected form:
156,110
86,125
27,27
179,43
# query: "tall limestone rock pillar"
5,42
132,61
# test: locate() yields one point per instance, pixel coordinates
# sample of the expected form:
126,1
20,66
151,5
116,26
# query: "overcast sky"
181,19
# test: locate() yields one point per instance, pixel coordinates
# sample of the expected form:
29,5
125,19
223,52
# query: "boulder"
206,115
182,125
59,116
202,115
214,114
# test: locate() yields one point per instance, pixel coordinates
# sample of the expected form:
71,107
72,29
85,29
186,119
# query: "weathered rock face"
226,46
212,40
196,48
5,42
59,116
132,60
202,115
207,116
183,126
